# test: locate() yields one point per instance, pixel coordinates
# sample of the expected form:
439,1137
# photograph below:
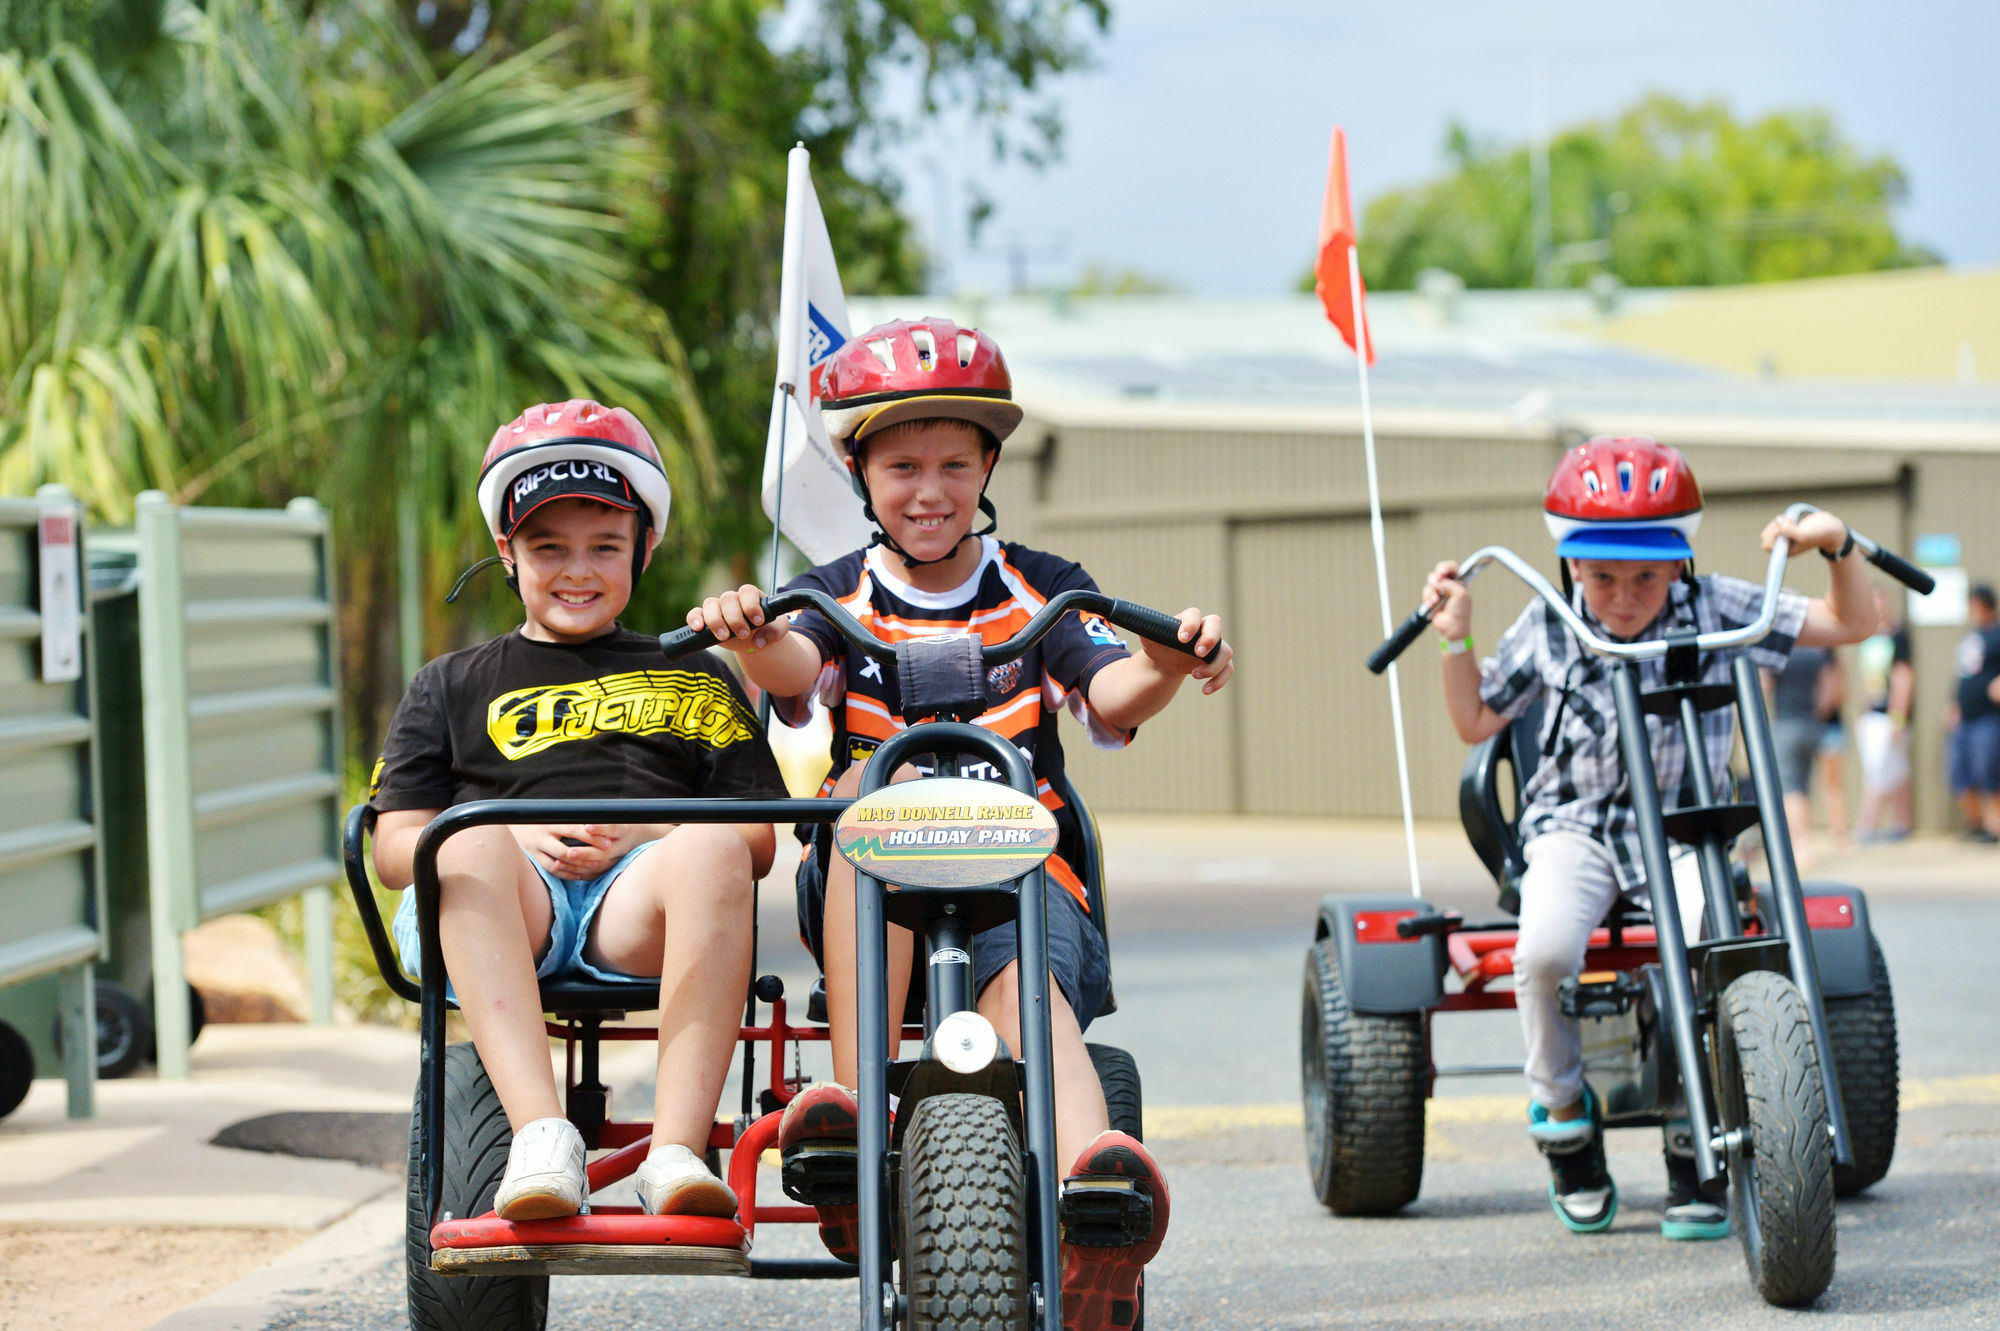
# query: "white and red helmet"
1623,498
570,450
902,371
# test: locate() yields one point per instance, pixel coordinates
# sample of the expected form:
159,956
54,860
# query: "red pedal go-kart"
1785,1056
966,1106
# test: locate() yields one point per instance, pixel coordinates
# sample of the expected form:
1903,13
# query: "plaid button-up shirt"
1580,784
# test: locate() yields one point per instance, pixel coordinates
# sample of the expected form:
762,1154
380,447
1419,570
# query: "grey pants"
1570,884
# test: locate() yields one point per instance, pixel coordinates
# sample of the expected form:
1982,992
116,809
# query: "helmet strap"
888,542
513,581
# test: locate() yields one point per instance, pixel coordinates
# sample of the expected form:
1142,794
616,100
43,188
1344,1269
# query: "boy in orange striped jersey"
922,409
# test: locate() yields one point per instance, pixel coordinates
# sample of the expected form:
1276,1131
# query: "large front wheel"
1364,1076
964,1217
1780,1155
476,1141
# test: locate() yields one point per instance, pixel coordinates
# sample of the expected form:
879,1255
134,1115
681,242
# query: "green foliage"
1668,194
1099,279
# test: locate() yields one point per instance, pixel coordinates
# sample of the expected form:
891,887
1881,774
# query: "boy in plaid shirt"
1621,511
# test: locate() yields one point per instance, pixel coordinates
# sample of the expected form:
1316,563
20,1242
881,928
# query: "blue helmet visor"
1615,542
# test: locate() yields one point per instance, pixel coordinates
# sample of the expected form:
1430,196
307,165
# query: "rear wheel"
1118,1074
1767,1087
1364,1078
1863,1032
965,1217
476,1141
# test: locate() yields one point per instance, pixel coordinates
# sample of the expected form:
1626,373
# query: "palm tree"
252,248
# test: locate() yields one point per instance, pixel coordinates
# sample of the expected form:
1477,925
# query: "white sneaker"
675,1181
545,1175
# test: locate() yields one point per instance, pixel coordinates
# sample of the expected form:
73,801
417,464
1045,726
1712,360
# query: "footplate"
822,1173
1104,1213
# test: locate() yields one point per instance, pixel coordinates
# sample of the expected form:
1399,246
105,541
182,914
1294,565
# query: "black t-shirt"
515,718
1978,663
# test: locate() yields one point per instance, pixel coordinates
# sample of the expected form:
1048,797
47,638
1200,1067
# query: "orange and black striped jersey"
1024,697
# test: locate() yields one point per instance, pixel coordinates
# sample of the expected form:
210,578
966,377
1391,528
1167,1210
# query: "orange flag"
1336,238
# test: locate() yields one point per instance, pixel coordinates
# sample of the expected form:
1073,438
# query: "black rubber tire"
1364,1079
17,1069
1118,1074
1863,1031
1781,1187
476,1142
964,1218
124,1030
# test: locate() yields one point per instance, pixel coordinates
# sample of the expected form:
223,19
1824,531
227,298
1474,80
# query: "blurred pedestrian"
1804,695
1882,732
1975,721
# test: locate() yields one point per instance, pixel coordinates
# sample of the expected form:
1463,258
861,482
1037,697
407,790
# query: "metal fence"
238,665
51,870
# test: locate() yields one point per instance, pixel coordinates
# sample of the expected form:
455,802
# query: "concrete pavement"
148,1159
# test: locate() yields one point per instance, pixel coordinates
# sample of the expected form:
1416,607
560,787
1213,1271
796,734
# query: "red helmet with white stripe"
904,371
575,449
1623,498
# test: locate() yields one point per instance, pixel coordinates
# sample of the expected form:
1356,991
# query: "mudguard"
1383,973
1839,936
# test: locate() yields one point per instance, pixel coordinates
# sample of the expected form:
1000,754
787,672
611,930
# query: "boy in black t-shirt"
573,705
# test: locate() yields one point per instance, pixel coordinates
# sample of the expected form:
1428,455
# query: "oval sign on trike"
945,831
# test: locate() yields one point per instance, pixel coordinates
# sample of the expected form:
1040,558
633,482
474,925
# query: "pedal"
1599,994
822,1173
1104,1212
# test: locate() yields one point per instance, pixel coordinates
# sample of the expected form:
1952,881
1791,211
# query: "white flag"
819,512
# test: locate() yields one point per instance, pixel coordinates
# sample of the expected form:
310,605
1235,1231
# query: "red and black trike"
966,1106
1783,1056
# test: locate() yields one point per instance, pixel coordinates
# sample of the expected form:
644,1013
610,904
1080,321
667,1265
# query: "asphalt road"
1207,968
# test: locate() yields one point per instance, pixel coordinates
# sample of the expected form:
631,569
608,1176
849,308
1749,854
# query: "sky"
1196,149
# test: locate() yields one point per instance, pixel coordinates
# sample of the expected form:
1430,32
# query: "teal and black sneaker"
1690,1215
1580,1187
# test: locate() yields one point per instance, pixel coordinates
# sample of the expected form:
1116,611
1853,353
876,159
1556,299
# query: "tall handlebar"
1410,629
1147,623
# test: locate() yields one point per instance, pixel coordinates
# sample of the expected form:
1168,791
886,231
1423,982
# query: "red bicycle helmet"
902,371
1623,498
574,449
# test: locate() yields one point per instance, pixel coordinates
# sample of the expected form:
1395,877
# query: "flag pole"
1366,338
784,393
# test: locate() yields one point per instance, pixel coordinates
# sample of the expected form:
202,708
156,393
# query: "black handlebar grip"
685,641
1903,571
1399,641
1152,624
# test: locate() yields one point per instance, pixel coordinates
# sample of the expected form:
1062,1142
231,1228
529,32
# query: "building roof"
1447,359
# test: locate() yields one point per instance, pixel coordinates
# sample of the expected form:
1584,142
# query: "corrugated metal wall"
1270,529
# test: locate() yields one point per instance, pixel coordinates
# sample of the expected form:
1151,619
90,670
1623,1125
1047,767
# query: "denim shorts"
1975,755
573,903
1077,956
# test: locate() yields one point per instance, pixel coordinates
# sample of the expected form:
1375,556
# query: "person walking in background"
1975,721
1830,762
1882,732
1803,696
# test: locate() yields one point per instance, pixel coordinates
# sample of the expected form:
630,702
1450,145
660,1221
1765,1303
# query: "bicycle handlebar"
1888,561
1147,623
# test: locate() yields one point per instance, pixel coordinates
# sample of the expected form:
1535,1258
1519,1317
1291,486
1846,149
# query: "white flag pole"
1381,557
791,322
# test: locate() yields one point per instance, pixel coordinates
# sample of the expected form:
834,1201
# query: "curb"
369,1234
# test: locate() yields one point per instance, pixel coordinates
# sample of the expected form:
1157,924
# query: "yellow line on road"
1213,1120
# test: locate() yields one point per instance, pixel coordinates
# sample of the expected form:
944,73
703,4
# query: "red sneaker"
1100,1287
824,1114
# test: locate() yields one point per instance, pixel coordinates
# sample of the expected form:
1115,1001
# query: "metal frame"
68,953
174,814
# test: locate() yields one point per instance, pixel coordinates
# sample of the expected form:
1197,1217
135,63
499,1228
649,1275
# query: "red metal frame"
630,1142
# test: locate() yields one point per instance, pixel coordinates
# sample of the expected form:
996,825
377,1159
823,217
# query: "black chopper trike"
944,855
1784,1056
